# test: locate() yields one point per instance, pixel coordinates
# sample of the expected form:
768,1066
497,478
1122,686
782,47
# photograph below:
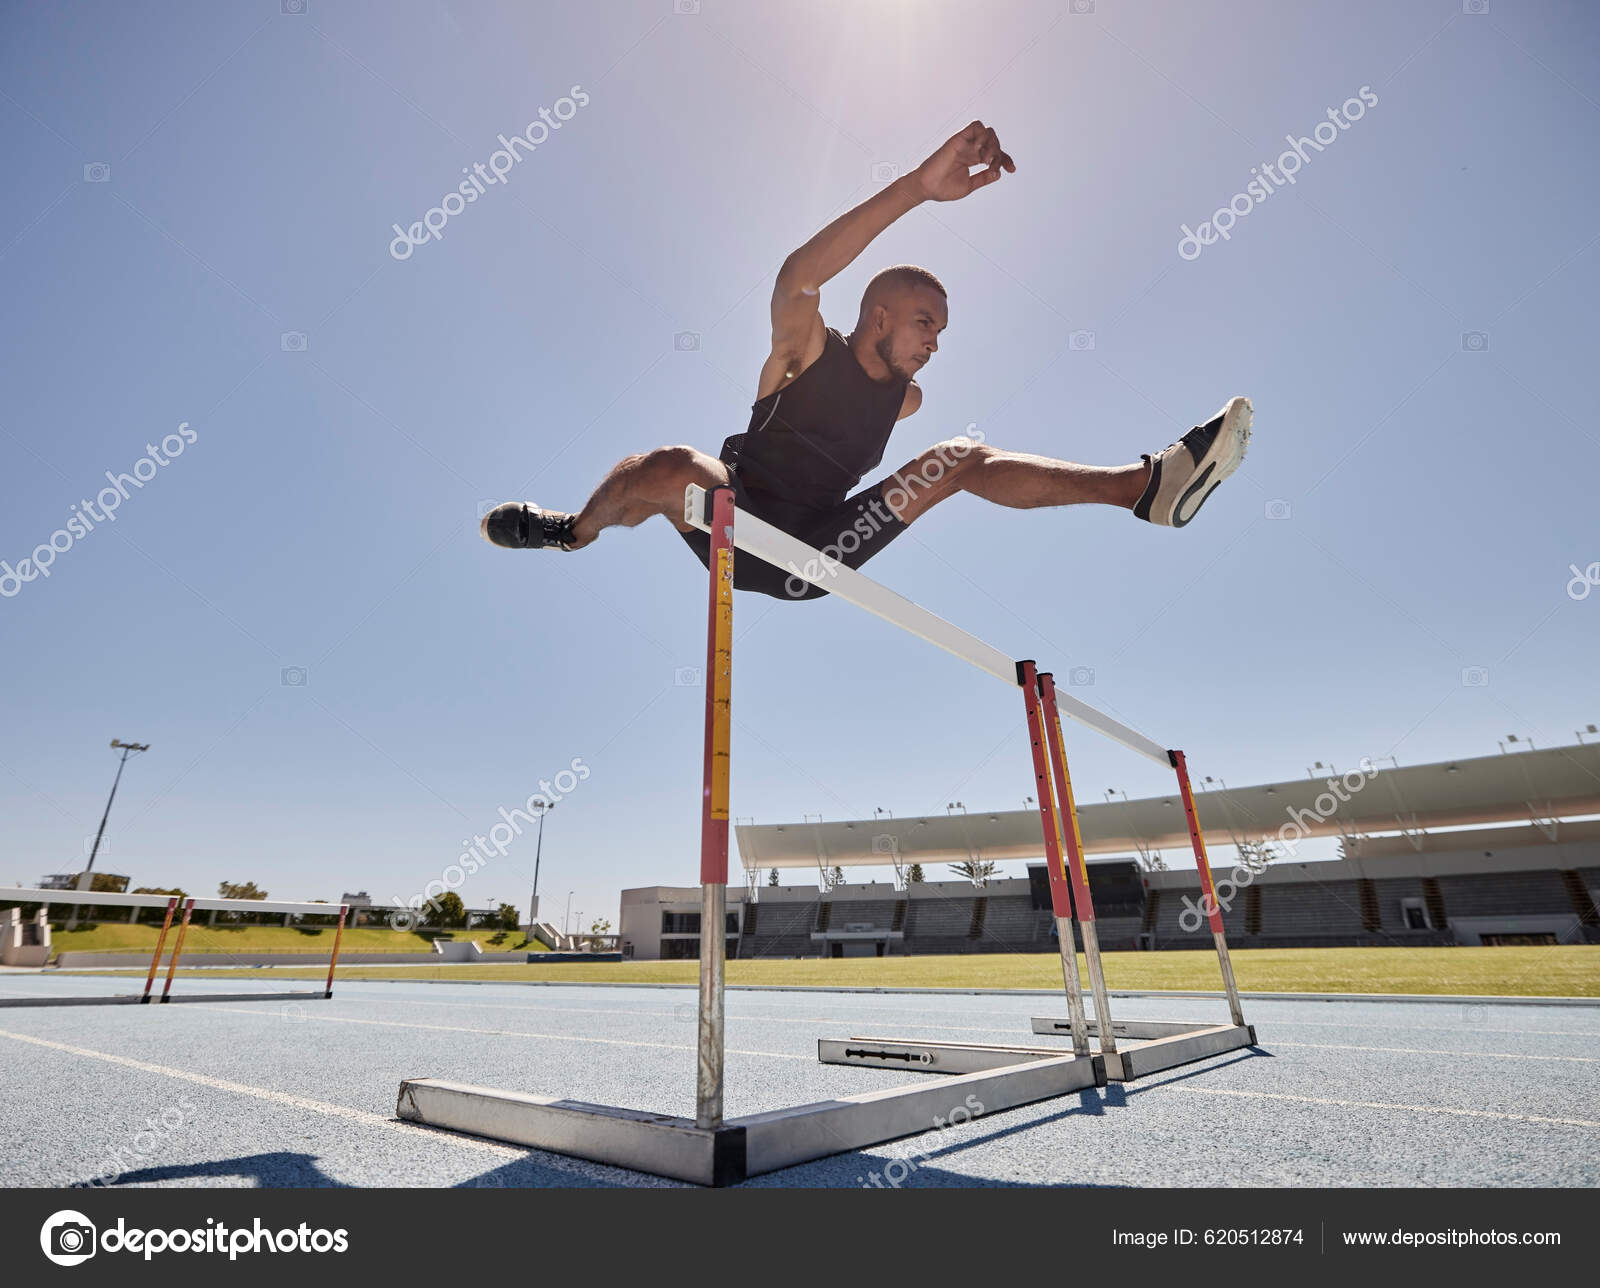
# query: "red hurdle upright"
155,957
1081,899
1208,891
1050,820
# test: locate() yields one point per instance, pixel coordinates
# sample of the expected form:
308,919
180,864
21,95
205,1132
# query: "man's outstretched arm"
944,176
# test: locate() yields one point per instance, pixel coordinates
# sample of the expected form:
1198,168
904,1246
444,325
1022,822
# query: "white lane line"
1476,1055
501,1033
949,1028
1379,1104
973,1028
361,1117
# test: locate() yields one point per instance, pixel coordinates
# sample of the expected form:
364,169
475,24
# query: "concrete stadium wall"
86,960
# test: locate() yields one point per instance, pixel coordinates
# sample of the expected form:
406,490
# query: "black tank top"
811,442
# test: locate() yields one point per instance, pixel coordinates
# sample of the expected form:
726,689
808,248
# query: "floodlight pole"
86,877
714,813
538,849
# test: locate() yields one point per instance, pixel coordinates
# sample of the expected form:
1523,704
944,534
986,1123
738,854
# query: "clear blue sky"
1436,490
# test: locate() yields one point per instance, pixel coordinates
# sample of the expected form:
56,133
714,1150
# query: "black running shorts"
850,532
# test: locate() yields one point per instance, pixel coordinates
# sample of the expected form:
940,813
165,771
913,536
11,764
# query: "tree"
100,882
158,913
510,919
914,874
772,877
975,872
445,910
239,890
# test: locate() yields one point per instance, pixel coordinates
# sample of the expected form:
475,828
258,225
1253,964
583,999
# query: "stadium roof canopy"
1539,787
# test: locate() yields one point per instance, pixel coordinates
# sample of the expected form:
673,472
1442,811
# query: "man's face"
914,316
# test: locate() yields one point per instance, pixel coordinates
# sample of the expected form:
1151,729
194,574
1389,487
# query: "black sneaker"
1185,474
522,525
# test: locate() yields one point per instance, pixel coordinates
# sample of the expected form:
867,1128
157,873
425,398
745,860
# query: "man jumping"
826,404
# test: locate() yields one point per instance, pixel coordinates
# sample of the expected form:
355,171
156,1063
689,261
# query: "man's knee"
674,468
944,465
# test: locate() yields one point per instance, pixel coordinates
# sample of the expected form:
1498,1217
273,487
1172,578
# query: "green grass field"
121,937
1505,972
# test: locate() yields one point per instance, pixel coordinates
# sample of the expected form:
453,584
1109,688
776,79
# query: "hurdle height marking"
714,815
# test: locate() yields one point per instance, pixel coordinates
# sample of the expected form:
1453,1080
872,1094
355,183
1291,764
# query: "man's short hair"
902,275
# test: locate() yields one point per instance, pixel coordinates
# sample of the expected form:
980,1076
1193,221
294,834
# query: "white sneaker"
1185,474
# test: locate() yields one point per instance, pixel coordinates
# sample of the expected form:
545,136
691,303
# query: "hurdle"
29,894
710,1149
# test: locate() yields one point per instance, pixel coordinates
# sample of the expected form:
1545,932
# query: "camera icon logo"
1279,510
686,677
1475,677
293,7
1081,675
686,8
1079,341
1475,6
292,341
68,1238
686,342
293,677
1082,6
97,172
1475,341
885,172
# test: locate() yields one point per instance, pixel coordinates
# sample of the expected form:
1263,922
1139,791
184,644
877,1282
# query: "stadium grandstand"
1501,849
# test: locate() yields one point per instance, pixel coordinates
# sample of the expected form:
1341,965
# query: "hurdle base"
664,1145
1155,1044
135,999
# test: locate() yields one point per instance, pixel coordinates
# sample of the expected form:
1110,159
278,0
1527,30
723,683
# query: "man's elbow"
797,276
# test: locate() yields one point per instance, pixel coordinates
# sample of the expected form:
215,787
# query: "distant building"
360,899
113,882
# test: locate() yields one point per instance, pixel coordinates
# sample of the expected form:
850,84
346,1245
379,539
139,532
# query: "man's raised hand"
944,176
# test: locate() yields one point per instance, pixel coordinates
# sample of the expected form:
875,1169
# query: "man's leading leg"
1167,488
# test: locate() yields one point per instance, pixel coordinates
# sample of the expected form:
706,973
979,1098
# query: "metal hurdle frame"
28,894
710,1149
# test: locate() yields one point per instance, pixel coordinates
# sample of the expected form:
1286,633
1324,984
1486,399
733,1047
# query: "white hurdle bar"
711,1150
774,546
